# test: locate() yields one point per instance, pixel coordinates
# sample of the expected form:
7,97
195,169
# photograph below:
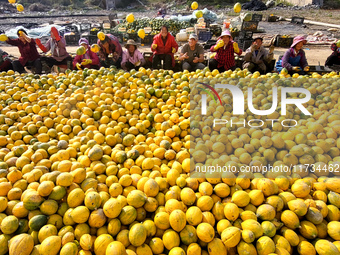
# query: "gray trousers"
192,66
252,67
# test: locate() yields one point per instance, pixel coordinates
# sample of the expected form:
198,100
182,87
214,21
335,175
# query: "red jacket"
28,50
88,55
167,48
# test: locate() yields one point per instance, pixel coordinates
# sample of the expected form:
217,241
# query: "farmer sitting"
56,44
161,12
28,51
164,46
257,58
294,60
87,60
5,61
225,49
192,54
334,58
110,50
132,57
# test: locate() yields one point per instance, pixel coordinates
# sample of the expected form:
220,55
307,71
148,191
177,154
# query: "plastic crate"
204,36
72,39
297,20
283,42
235,34
256,17
92,39
272,18
147,39
133,36
244,43
245,35
94,32
249,25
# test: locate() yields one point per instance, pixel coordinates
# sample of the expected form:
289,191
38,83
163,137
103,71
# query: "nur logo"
204,97
238,99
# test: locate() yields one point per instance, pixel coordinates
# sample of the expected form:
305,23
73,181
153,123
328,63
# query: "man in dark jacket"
334,58
28,51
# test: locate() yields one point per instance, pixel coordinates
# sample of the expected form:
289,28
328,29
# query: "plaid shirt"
225,56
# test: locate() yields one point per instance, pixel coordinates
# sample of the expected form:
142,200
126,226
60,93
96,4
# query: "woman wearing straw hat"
225,49
294,60
132,58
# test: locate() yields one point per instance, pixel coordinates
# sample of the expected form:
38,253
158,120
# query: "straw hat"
130,42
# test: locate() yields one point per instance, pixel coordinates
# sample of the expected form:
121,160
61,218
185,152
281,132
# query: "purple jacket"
290,54
58,49
114,46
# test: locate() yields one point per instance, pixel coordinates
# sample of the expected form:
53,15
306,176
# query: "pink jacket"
58,49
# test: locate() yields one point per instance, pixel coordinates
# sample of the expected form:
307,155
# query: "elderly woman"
28,51
87,60
257,58
294,60
56,44
164,46
109,46
225,49
132,57
192,54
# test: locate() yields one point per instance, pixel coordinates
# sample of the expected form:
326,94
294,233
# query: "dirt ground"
315,54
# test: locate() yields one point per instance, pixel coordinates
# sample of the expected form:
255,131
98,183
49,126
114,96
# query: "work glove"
154,46
219,44
236,48
296,68
86,62
306,69
78,65
41,46
54,31
271,49
3,38
173,50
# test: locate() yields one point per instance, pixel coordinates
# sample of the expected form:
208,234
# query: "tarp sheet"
207,15
34,32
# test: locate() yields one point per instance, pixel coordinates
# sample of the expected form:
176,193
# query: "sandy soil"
315,54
